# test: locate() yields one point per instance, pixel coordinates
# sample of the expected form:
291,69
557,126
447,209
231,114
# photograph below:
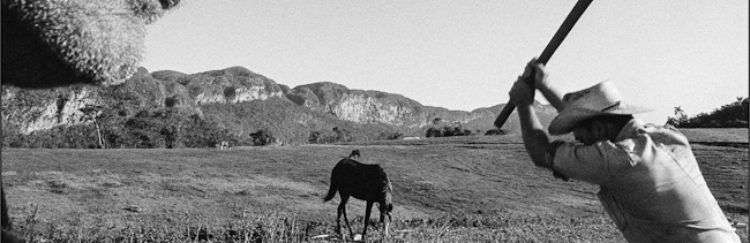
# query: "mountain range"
244,102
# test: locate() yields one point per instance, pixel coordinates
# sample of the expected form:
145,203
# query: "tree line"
732,115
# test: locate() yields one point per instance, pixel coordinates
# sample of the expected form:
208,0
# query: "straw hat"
600,99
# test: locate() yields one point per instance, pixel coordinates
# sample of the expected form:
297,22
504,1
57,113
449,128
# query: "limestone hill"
241,102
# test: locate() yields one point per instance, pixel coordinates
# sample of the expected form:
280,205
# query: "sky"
466,54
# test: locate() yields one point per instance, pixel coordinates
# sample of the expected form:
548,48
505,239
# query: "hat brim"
569,118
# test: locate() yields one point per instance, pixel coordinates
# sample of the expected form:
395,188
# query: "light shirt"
651,185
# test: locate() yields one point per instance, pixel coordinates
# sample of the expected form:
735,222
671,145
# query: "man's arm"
552,95
535,138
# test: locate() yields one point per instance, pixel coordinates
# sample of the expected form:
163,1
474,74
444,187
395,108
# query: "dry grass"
445,190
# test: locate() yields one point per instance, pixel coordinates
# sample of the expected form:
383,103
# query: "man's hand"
539,74
521,93
537,70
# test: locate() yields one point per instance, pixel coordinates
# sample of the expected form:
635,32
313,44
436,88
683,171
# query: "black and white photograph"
374,121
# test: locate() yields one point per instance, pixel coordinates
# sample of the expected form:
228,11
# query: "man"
650,182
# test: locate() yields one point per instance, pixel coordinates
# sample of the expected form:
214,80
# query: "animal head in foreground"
52,43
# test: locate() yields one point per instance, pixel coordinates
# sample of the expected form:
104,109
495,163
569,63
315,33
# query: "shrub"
494,131
230,93
390,135
322,137
336,135
171,101
433,132
262,137
447,131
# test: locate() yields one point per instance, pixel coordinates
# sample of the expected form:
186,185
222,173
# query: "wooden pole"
555,42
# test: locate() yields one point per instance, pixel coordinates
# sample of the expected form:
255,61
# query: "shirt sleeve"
590,163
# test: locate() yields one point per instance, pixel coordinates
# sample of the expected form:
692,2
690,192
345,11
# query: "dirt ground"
479,187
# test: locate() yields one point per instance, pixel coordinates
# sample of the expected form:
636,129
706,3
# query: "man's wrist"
523,105
542,86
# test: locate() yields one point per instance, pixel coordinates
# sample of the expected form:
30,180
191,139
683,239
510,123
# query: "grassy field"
446,189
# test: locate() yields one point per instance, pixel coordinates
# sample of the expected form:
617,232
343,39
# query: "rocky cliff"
356,105
379,107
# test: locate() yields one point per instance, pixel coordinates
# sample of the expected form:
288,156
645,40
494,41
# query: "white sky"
465,54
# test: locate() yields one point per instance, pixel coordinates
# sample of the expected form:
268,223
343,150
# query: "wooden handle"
555,42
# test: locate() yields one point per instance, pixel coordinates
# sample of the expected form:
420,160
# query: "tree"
436,121
262,137
734,114
90,114
679,118
678,111
200,132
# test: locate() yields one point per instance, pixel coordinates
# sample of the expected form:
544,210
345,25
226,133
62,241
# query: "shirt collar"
629,130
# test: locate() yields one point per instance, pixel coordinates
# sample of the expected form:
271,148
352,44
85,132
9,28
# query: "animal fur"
367,182
49,43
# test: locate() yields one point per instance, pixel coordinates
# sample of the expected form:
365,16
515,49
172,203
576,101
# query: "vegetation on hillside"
159,128
290,123
273,121
732,115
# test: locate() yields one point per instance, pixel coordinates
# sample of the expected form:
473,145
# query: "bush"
494,131
447,131
322,137
390,135
433,132
262,137
171,102
336,135
230,93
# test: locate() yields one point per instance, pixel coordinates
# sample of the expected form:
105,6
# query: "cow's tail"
331,192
